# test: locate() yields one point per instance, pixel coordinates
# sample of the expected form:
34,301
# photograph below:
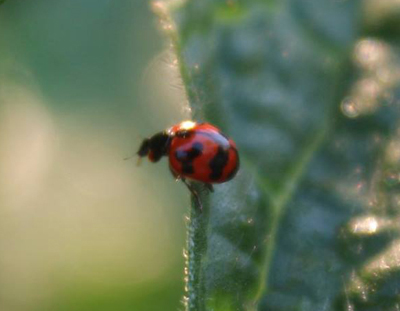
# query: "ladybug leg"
209,187
194,193
176,176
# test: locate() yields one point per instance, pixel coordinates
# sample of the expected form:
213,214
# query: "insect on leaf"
311,222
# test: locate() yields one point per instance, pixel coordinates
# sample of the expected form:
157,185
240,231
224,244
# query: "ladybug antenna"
130,157
142,152
139,160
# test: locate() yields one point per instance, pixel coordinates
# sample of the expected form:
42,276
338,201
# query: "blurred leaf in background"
81,83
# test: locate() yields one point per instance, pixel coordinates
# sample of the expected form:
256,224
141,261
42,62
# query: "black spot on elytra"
236,168
186,157
218,163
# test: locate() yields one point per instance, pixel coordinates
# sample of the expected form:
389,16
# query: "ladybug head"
155,147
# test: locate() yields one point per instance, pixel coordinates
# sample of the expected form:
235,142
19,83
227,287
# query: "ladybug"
196,152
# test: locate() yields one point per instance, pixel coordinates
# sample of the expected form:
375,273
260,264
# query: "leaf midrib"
280,200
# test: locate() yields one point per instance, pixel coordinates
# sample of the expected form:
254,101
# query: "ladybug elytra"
196,151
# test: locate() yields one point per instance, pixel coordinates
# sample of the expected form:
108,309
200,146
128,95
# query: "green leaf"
308,223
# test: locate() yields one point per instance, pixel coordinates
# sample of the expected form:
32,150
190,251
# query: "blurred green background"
81,83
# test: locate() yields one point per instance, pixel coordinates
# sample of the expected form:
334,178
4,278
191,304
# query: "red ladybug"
196,151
